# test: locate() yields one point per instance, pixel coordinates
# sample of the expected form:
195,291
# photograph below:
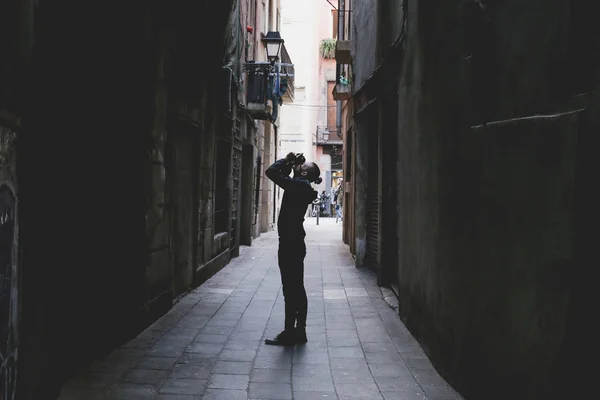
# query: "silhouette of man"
297,195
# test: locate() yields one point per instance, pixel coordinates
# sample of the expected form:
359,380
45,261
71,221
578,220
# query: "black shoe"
285,338
300,334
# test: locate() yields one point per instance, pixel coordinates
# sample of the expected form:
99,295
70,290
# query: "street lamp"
273,42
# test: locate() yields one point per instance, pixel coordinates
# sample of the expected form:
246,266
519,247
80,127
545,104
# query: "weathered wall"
490,189
364,50
10,267
109,232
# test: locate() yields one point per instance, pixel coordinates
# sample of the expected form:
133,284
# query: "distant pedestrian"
339,196
298,194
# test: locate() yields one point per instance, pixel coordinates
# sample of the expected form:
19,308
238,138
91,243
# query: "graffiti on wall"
8,350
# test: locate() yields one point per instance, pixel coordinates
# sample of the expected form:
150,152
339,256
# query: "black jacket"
297,195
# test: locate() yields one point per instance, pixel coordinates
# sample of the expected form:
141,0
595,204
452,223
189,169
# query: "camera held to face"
295,159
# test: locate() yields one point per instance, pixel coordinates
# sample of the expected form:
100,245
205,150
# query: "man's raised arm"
279,173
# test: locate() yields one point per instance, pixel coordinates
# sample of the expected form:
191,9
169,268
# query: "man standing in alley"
298,194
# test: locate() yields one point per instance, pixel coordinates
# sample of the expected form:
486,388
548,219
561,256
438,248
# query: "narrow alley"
455,141
210,345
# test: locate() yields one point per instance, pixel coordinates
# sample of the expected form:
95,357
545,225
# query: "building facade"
267,18
310,125
130,170
469,163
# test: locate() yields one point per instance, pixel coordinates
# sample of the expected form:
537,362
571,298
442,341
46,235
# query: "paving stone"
272,363
77,393
152,362
343,341
166,351
184,386
225,394
392,370
342,333
311,370
266,375
361,376
176,397
417,394
191,371
217,330
235,382
94,380
270,391
358,391
204,348
239,344
237,355
320,383
419,363
131,391
210,345
349,364
379,347
395,384
233,367
314,357
346,352
146,376
210,338
315,395
384,358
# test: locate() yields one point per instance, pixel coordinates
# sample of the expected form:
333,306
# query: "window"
278,20
348,152
265,21
334,14
221,206
336,162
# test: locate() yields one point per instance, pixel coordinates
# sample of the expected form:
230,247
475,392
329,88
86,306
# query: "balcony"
328,136
287,76
342,52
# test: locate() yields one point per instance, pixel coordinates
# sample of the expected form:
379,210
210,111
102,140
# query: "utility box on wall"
257,91
257,88
342,52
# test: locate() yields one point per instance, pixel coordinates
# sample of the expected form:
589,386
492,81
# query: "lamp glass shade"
273,50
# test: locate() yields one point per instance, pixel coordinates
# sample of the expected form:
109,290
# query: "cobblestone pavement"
210,345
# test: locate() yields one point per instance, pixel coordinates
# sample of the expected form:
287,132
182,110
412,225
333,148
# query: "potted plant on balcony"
327,48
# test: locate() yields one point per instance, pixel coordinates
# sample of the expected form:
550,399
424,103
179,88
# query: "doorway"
389,192
184,191
247,200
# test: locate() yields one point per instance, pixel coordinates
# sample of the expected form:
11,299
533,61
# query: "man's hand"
295,158
290,157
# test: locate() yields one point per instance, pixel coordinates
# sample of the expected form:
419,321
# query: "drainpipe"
340,34
338,117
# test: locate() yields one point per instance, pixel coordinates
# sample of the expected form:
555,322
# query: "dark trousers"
291,266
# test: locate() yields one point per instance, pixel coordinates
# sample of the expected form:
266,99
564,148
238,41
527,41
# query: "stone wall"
364,53
9,256
493,195
116,159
